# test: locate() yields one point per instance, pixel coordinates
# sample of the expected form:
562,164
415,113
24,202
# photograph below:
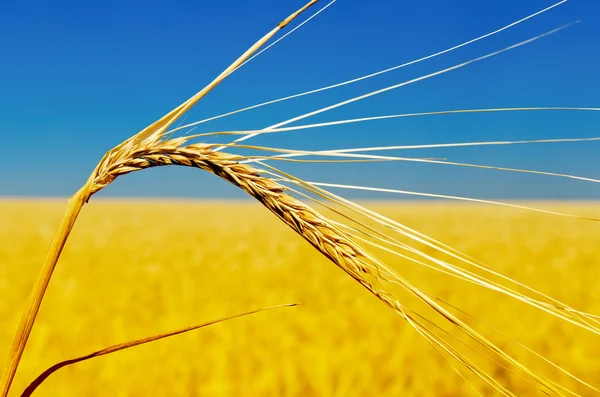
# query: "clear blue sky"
77,78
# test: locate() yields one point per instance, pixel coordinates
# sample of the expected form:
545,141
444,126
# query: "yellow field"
136,269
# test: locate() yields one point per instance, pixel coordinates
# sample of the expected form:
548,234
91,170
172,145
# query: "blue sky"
77,78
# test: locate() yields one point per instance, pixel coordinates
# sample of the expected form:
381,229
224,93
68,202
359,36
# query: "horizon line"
9,198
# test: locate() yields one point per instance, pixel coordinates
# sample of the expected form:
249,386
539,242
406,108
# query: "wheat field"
133,269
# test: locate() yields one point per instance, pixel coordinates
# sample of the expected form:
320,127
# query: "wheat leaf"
127,345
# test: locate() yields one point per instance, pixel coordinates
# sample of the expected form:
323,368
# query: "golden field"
137,268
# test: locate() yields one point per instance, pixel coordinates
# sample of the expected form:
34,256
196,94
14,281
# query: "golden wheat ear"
99,178
127,345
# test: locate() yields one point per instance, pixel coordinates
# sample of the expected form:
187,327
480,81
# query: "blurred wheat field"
133,269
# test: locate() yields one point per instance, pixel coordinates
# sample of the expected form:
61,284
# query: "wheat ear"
323,234
145,137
